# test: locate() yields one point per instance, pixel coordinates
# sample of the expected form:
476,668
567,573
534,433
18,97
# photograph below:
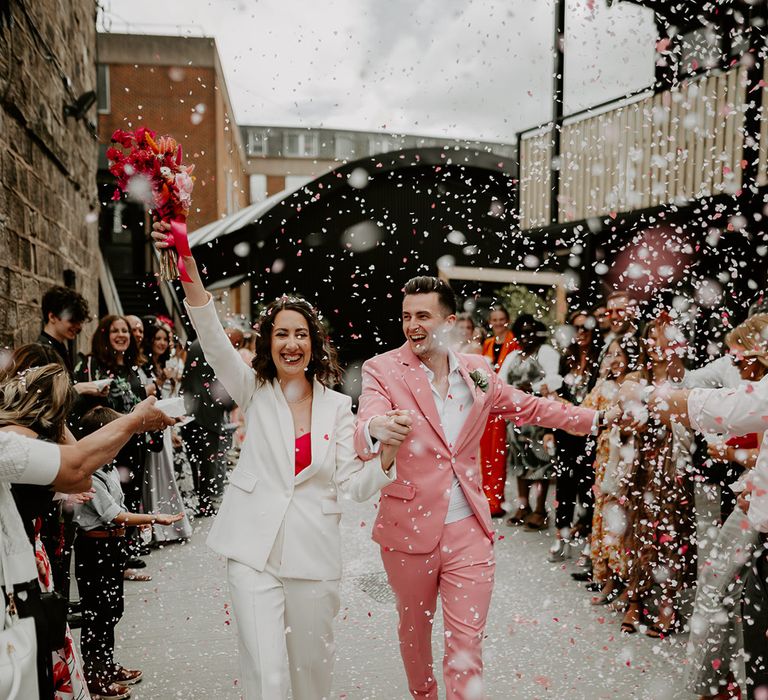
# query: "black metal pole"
557,106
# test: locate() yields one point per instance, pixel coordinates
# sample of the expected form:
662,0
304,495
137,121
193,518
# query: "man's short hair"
427,285
65,303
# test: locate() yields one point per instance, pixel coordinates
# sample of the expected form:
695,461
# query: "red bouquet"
150,169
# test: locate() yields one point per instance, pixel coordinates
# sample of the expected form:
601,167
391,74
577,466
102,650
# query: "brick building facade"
172,85
48,230
175,86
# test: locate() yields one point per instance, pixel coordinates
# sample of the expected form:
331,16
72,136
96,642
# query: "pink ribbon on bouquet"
181,244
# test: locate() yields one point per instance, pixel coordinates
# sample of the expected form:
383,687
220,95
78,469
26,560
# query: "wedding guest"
64,313
114,355
137,329
66,468
715,624
208,402
621,310
466,335
603,320
728,411
185,481
533,367
730,370
574,473
38,399
160,491
100,560
493,446
278,525
609,558
658,497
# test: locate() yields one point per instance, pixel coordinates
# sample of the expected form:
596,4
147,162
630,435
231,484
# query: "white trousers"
285,633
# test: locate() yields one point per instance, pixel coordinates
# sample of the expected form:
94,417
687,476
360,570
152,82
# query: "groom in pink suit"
434,525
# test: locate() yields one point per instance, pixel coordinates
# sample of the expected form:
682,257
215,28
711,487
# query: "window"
258,140
299,144
102,89
344,147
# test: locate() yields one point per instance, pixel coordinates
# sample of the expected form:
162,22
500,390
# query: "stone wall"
48,199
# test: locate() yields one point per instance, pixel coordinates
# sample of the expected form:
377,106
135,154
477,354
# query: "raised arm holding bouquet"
151,170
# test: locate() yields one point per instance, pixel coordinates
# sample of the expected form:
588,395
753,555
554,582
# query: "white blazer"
263,492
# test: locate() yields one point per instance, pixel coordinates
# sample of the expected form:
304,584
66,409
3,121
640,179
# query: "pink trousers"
461,570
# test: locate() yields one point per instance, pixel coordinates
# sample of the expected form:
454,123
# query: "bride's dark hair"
323,365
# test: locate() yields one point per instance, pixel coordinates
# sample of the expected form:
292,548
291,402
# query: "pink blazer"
412,508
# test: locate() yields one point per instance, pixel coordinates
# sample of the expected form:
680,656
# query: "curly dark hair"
102,350
323,365
64,302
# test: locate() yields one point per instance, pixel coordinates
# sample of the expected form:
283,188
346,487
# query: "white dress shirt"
453,412
738,411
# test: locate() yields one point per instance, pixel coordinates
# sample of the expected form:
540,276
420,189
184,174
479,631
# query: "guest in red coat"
493,446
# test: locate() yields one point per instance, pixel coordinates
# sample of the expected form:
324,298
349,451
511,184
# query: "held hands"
392,428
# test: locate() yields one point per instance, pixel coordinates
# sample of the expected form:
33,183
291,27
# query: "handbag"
18,647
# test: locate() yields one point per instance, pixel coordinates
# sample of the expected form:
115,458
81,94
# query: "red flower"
124,138
140,135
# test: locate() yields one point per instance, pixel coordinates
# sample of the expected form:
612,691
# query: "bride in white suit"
278,525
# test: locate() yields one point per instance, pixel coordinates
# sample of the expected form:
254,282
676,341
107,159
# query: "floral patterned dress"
659,500
608,553
68,679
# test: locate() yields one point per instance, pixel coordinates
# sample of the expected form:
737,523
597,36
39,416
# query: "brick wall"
175,100
175,86
48,195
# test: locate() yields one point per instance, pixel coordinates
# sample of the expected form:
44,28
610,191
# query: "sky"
470,69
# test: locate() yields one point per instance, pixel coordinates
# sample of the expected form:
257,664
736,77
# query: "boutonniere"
480,379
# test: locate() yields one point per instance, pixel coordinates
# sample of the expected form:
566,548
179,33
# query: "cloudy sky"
477,69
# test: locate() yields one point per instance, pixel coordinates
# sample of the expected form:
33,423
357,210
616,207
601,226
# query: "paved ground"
544,639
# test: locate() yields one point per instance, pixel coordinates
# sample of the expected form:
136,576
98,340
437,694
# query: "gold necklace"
302,400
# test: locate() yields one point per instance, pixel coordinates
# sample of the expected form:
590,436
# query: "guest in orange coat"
493,446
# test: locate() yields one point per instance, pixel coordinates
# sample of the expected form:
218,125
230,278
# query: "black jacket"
204,396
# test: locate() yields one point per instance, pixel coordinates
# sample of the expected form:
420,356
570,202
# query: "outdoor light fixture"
81,105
